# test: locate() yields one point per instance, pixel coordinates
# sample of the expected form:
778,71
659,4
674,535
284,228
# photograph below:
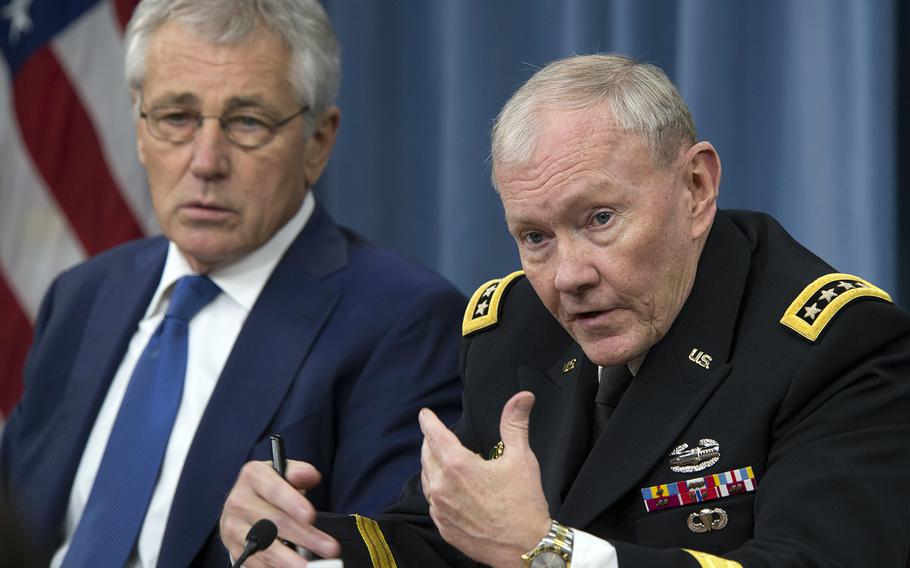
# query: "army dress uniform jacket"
788,385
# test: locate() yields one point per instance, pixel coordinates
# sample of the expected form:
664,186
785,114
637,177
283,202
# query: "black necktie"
613,383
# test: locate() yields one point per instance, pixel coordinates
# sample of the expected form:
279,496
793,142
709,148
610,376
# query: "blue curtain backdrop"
799,97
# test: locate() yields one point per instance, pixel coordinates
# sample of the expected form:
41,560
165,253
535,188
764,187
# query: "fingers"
435,432
441,456
429,467
275,555
260,493
515,421
302,475
440,445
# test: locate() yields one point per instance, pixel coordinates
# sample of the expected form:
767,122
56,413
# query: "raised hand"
491,510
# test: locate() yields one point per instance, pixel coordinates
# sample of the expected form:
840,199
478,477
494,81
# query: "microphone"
260,537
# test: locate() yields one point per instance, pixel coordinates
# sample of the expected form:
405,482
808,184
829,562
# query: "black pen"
279,464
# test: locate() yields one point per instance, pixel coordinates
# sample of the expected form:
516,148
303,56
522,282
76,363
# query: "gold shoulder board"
811,311
483,309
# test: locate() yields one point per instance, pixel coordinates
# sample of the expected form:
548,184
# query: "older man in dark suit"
160,367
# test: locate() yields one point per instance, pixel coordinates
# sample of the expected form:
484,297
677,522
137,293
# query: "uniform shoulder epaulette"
483,309
820,301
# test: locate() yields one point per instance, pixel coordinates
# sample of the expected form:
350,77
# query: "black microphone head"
263,532
261,535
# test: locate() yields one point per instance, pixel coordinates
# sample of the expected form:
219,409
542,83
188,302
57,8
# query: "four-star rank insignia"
811,311
483,309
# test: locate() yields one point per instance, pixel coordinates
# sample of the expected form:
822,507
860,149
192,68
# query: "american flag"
70,182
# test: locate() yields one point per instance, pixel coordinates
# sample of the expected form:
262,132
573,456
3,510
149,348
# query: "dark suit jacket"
824,424
344,345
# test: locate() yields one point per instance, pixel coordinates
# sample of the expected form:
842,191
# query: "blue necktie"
115,511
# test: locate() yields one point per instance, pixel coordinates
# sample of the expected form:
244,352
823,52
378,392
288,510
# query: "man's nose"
575,270
210,151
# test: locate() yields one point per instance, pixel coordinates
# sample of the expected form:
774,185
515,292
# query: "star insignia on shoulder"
819,302
828,295
812,311
483,308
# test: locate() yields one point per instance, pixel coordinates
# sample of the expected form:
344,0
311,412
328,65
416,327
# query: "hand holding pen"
258,494
279,464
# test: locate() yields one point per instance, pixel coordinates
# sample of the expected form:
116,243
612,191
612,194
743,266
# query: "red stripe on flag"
124,9
15,337
62,141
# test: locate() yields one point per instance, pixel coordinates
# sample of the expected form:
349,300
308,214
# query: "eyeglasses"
244,128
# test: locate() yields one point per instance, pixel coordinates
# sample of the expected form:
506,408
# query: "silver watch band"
553,551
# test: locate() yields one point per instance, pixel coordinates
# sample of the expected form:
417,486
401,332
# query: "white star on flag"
19,21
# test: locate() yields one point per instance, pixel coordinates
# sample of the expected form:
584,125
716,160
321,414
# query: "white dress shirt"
212,333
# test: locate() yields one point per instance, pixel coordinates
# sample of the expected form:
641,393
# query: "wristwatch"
553,551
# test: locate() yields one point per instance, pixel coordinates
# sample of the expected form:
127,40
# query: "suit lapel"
119,304
560,420
273,343
673,384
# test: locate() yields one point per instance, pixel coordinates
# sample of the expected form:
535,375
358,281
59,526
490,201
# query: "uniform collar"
703,332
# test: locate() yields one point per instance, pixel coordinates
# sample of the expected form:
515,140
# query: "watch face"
548,559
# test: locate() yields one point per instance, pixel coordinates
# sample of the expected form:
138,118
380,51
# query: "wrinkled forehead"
189,38
568,141
182,64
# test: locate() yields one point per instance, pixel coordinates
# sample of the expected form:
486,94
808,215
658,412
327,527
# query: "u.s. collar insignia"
686,460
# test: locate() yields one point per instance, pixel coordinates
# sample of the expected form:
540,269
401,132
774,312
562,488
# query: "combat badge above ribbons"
811,311
684,459
483,309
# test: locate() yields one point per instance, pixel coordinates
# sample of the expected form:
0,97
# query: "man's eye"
246,123
177,118
602,218
533,238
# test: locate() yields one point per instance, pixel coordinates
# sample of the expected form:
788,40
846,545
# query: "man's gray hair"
642,99
302,24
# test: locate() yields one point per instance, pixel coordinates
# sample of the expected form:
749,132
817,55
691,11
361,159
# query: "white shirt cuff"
588,551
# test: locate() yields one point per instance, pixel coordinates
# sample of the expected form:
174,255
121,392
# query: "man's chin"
205,258
609,351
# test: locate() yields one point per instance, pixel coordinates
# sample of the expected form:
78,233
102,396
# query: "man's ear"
319,145
701,170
